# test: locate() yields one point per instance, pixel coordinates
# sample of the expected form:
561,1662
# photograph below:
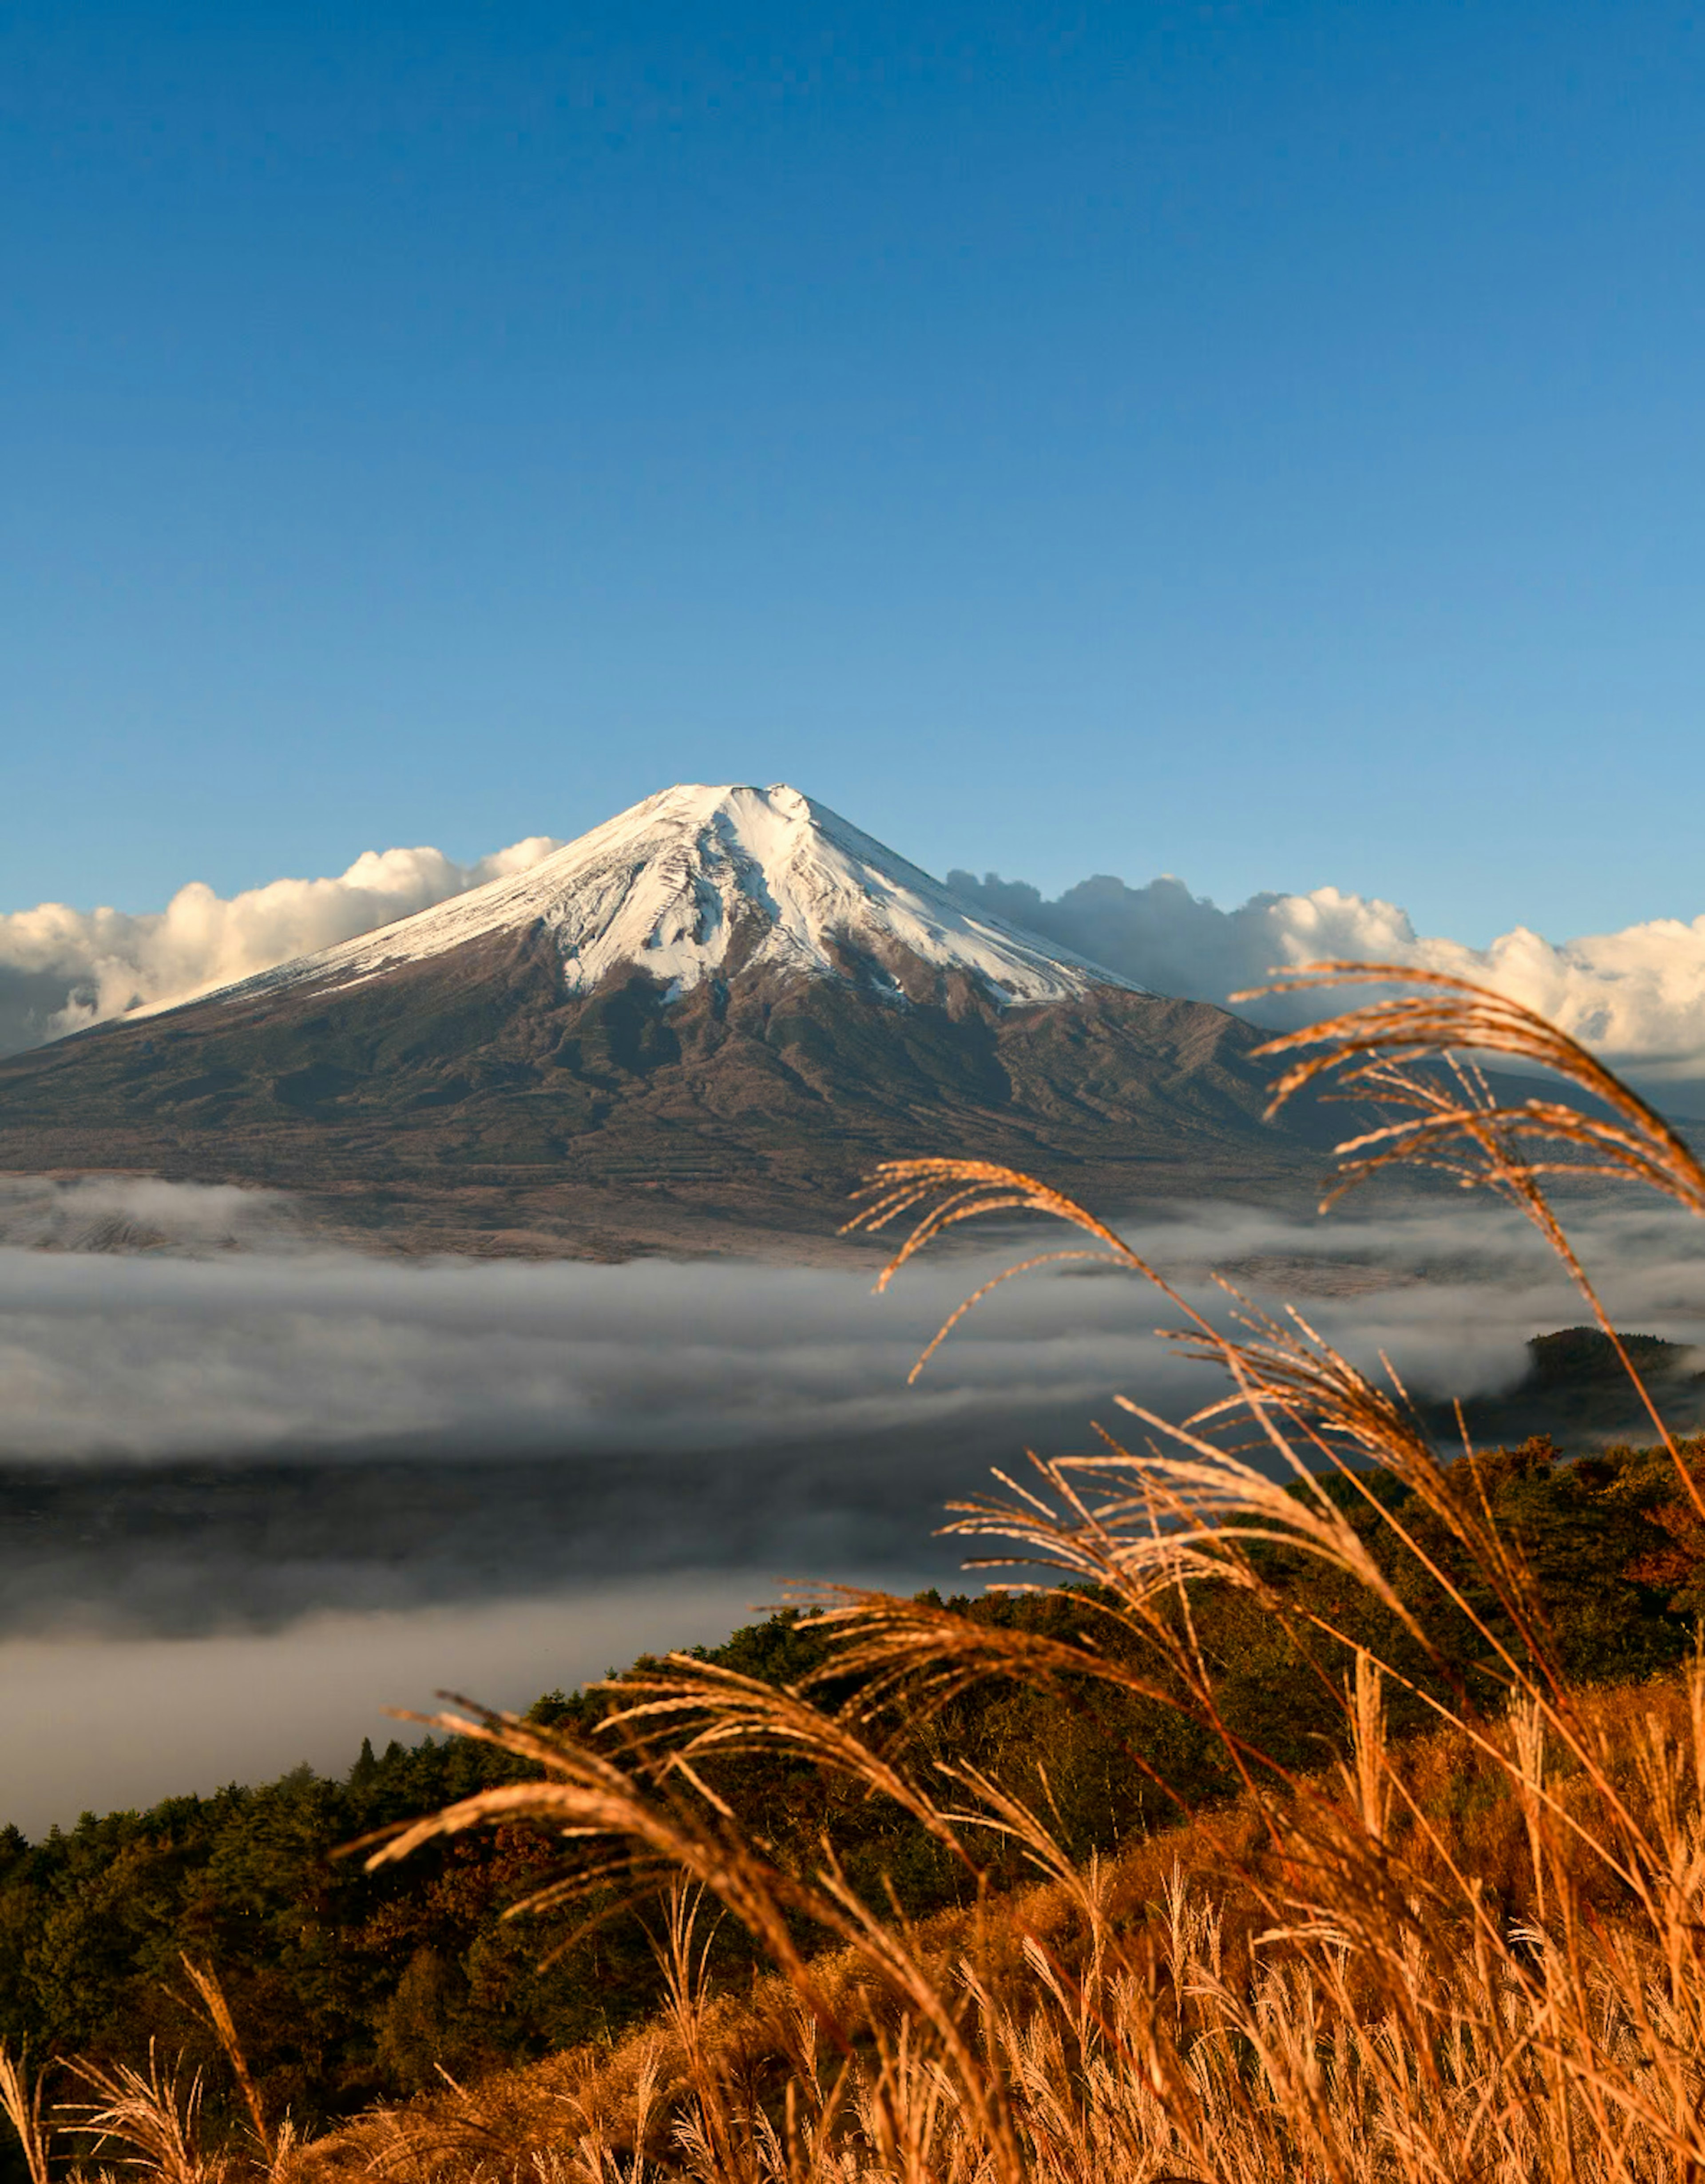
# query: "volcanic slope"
711,1015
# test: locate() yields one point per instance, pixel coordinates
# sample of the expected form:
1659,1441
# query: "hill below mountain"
1577,1391
712,1015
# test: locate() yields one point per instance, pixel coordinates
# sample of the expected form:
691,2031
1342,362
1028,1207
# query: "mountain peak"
671,884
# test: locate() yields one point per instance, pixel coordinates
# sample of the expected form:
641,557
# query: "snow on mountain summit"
667,884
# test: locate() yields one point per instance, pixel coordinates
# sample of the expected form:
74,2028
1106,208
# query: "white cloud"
1637,996
62,969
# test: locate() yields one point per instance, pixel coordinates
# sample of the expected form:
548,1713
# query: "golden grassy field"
1477,1953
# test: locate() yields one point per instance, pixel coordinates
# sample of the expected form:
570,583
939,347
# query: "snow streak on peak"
667,884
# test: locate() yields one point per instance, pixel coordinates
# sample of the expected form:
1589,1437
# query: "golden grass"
1090,1981
1477,1956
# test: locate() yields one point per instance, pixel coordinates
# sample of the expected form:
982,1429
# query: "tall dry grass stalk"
146,2122
1341,1994
21,2098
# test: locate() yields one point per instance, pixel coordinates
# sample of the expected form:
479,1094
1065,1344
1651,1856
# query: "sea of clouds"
141,1320
252,1490
1637,996
98,1719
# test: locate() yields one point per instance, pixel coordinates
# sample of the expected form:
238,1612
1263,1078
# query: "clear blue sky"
1258,441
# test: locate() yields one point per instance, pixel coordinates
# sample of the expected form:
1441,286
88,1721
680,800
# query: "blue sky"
1262,443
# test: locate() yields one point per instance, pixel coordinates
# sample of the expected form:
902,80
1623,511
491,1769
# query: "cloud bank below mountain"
145,1322
1637,996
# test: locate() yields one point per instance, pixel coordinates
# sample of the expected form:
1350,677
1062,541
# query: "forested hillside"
347,1985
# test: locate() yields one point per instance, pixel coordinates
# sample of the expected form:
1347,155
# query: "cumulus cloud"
1637,996
62,969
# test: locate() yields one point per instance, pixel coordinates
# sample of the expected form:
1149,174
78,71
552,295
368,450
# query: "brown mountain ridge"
701,1024
469,1097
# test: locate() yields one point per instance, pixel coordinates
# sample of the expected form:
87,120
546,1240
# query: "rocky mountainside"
722,1007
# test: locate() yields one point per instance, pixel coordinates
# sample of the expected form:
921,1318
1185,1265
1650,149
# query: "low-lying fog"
252,1490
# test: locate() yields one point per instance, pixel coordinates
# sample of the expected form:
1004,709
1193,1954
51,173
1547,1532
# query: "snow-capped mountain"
679,885
721,1008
